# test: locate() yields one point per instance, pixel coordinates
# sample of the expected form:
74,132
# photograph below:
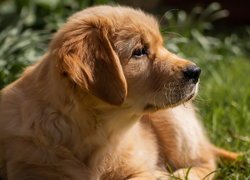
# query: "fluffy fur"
93,109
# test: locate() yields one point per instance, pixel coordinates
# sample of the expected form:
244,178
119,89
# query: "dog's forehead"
138,22
134,20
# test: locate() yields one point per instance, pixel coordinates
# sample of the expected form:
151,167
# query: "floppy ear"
86,55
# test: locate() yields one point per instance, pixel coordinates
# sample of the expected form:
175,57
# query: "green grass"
224,103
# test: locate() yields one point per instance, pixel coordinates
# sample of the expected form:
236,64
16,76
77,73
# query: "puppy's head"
117,55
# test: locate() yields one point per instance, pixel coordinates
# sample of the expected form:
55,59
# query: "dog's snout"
192,72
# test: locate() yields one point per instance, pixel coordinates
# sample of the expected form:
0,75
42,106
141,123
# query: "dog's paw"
162,175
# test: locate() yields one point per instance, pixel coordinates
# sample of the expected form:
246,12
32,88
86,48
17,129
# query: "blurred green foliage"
41,14
185,33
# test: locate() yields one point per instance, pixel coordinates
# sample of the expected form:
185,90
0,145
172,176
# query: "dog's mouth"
150,107
173,102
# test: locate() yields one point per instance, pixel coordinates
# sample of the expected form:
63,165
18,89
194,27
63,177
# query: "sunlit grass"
224,104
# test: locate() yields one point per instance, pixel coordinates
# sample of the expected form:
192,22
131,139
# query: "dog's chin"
154,107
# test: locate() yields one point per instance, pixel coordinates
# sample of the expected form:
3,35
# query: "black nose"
192,72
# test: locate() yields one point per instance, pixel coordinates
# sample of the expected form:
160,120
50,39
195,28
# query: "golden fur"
76,113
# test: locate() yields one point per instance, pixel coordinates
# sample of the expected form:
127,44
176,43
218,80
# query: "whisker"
166,13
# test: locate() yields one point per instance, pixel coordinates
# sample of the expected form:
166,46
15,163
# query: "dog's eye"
140,52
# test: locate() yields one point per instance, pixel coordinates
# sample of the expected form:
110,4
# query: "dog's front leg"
194,173
32,171
142,176
157,175
25,160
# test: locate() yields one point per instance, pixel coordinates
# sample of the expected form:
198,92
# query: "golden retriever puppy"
76,113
